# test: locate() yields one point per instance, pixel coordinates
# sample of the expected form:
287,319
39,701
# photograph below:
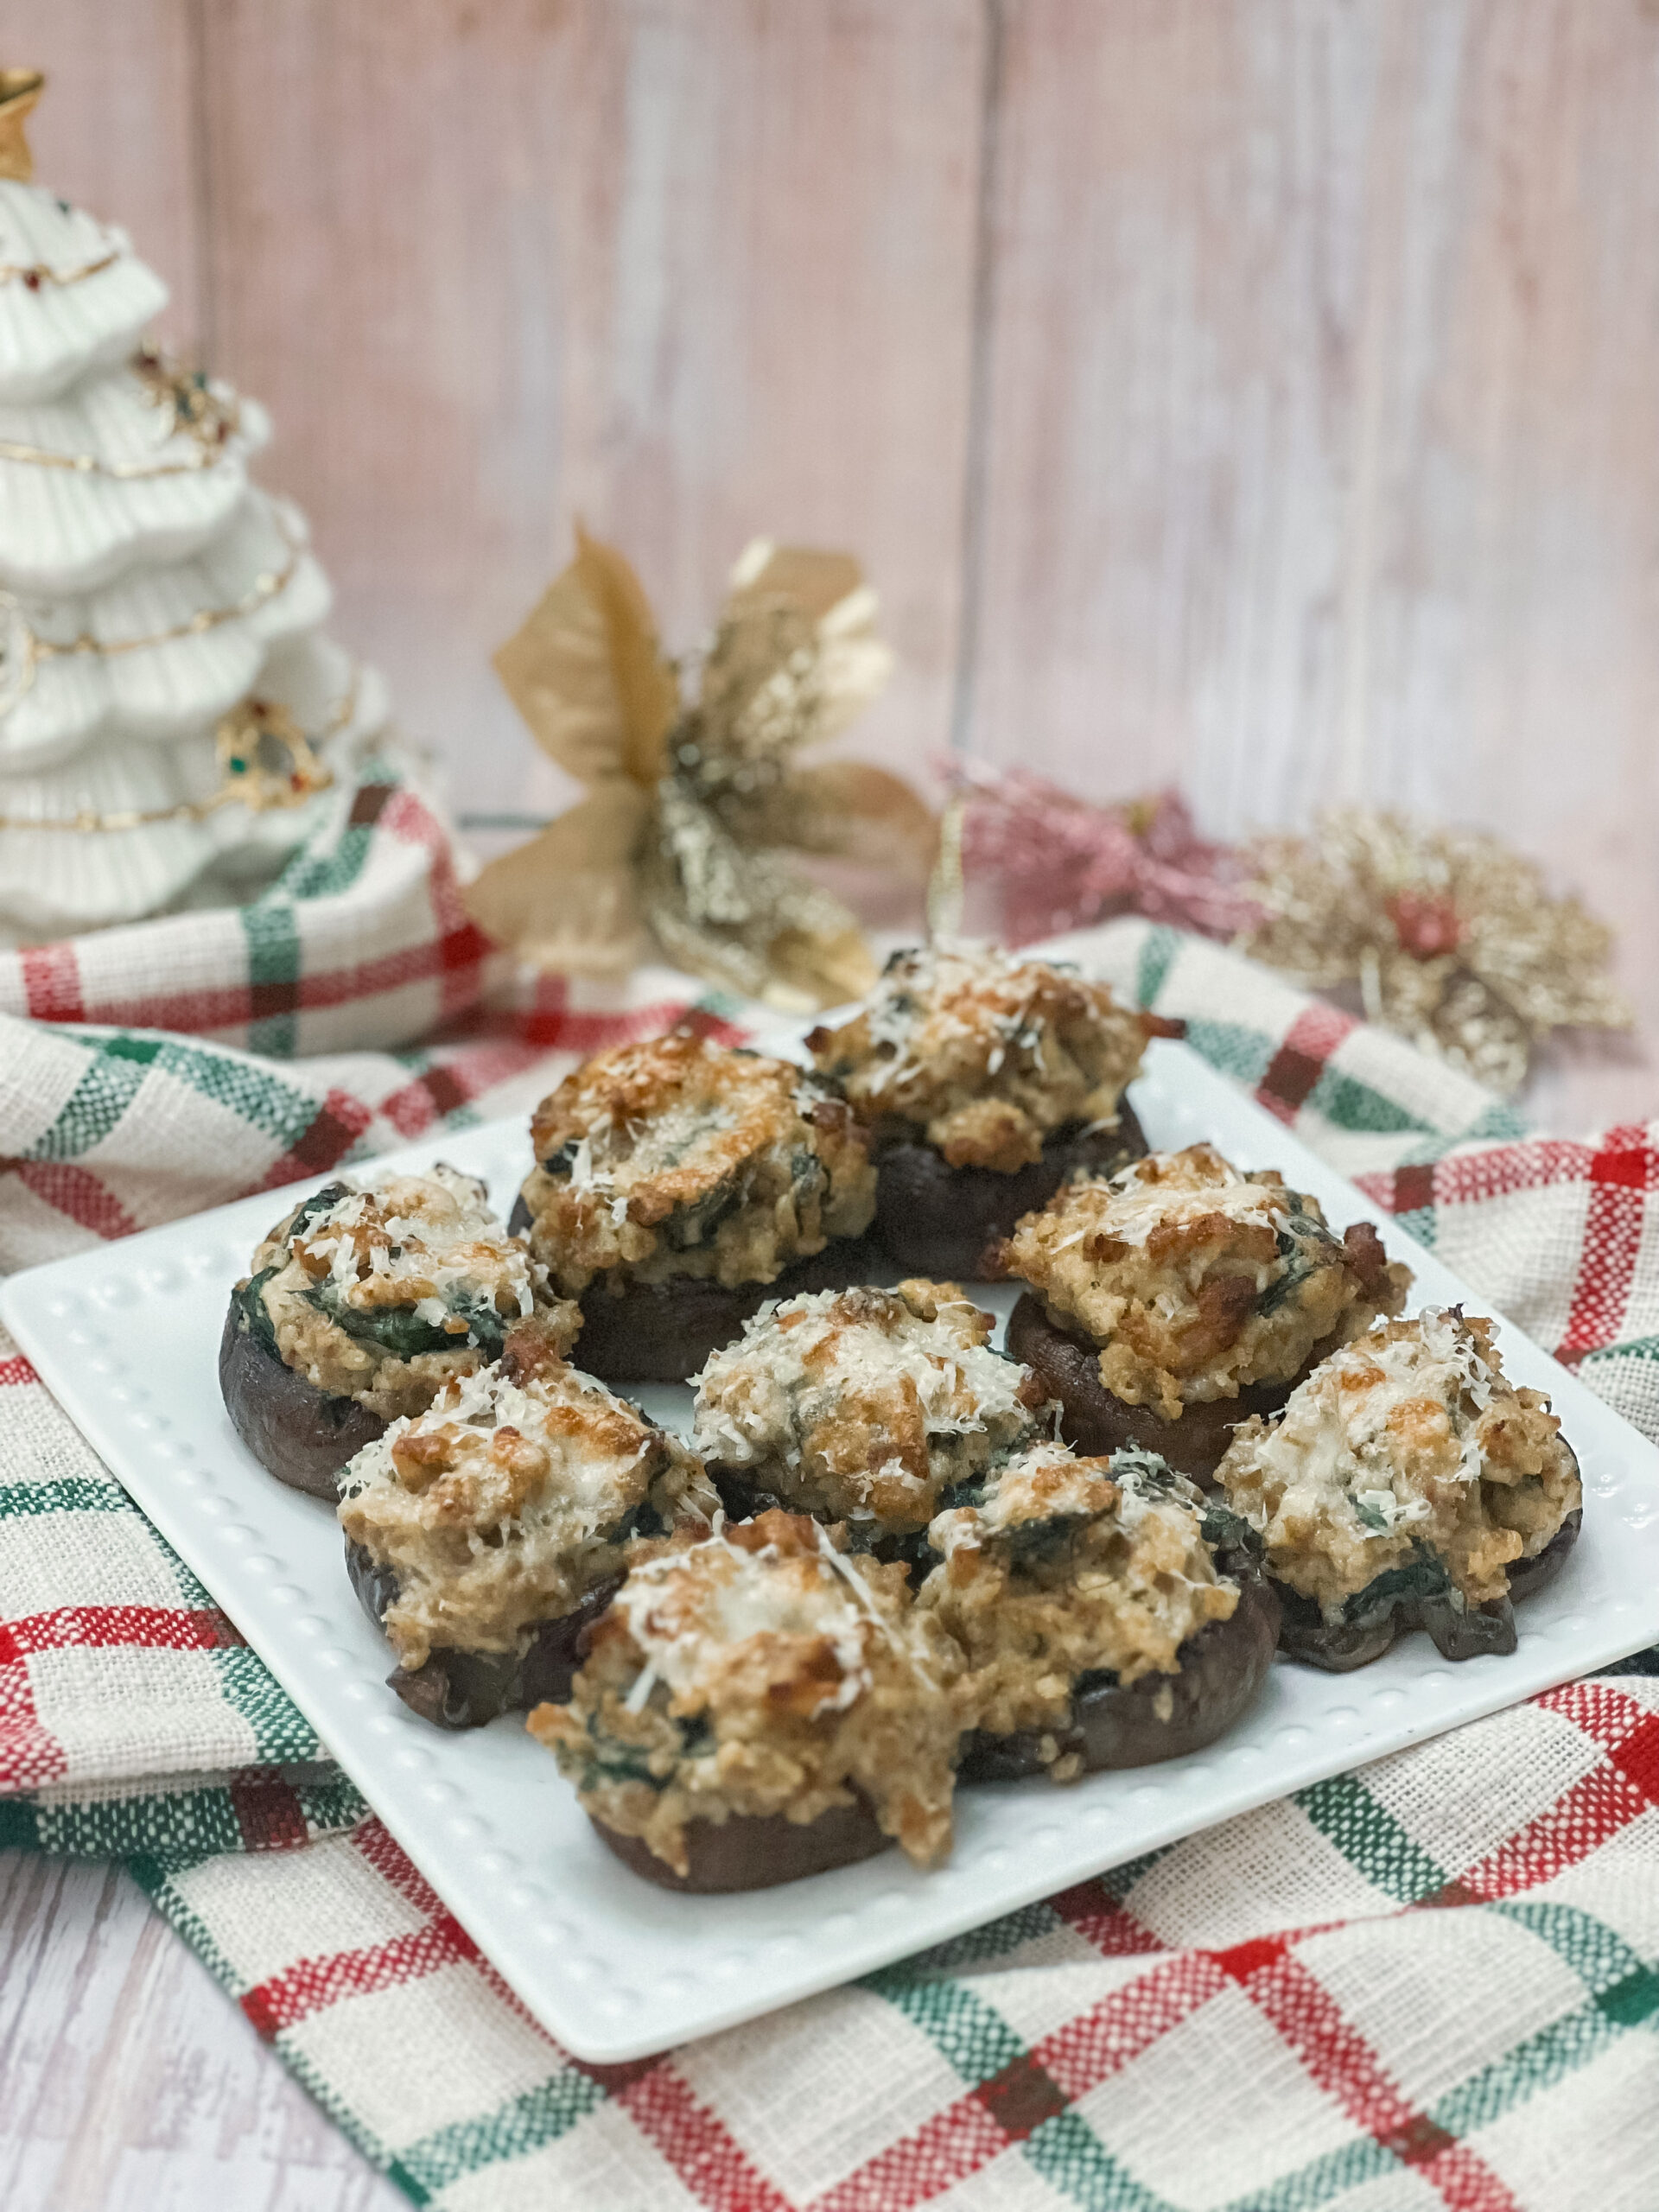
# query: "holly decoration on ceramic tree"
265,759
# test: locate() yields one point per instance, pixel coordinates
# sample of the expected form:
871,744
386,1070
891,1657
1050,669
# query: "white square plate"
127,1336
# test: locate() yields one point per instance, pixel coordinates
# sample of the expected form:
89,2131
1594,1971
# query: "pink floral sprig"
1061,862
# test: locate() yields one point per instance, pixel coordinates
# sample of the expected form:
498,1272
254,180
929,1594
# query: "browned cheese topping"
1066,1566
865,1405
681,1157
385,1293
756,1671
1196,1281
984,1053
1410,1443
510,1499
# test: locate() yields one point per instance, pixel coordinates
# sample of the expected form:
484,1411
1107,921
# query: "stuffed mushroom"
485,1534
1407,1484
987,1080
1180,1296
1097,1625
679,1183
756,1705
864,1407
363,1304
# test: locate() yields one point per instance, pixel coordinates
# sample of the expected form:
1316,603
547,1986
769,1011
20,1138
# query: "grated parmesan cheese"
677,1156
864,1403
752,1671
1070,1567
1409,1441
507,1501
983,1053
349,1282
1195,1280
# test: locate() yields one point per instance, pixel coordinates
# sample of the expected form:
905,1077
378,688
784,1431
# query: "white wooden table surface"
129,2082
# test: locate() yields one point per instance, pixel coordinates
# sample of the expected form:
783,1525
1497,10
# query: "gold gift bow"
695,804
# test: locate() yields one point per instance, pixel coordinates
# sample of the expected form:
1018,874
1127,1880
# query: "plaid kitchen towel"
1434,1982
361,942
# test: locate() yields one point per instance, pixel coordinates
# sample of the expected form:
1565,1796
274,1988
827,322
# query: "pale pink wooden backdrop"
1257,393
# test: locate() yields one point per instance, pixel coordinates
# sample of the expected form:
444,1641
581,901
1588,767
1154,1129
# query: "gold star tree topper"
20,92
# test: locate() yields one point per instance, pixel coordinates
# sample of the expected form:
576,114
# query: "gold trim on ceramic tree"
208,413
266,761
19,94
22,649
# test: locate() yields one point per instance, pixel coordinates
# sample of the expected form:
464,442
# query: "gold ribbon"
695,803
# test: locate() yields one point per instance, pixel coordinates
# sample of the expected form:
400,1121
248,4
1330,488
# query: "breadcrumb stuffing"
1196,1281
865,1405
1411,1442
756,1670
682,1157
983,1054
510,1499
1070,1567
385,1292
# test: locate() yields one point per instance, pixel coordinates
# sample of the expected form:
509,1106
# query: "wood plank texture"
128,2083
693,269
1323,447
1323,454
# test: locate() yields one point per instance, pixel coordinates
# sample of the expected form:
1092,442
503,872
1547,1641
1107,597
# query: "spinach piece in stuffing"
1422,1579
1300,1232
614,1761
249,1300
400,1331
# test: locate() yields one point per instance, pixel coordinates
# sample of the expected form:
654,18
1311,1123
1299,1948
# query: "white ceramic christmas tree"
172,719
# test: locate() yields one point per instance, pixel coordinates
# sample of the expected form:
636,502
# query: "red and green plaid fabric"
1432,1983
362,941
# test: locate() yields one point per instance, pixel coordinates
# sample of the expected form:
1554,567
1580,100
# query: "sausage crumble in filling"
984,1054
511,1498
1408,1455
1063,1567
385,1293
1196,1281
865,1405
681,1157
760,1670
